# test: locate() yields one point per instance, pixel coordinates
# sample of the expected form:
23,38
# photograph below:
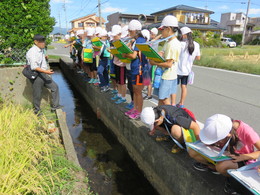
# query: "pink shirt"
248,137
118,62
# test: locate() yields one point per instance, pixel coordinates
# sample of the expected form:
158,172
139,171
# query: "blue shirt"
135,64
87,43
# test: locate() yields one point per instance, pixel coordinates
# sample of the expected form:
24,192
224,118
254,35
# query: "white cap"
67,36
134,25
72,34
90,32
148,117
80,32
146,34
98,30
124,31
216,128
116,29
103,33
185,30
154,31
86,30
169,21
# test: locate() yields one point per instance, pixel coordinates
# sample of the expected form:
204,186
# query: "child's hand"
238,158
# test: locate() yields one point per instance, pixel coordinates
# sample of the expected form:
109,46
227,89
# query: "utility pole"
245,23
99,13
64,6
60,23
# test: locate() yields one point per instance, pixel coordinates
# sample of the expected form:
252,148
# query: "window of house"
90,24
124,20
80,24
160,17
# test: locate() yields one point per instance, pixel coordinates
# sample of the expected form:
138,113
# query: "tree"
20,20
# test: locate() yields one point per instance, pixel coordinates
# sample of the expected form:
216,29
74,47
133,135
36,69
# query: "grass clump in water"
31,162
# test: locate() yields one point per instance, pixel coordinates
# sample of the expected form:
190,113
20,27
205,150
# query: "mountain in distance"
59,30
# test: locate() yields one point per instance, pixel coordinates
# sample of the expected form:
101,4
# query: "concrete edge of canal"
168,173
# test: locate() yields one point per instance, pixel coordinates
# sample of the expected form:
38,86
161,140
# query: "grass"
50,47
54,57
246,59
32,161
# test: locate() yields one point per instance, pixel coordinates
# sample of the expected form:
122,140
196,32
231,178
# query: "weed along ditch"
109,166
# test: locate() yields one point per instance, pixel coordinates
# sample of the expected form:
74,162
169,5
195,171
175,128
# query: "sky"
79,8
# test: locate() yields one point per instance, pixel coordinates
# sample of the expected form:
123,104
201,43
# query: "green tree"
20,20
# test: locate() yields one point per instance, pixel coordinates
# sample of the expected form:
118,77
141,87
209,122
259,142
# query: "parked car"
228,42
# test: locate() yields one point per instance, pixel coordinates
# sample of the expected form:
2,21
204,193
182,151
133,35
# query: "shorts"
182,79
87,64
167,87
93,66
120,75
112,70
137,79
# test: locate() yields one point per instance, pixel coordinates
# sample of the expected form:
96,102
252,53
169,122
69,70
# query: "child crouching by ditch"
240,138
172,118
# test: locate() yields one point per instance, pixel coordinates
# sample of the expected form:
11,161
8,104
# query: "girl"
170,52
220,129
138,61
190,51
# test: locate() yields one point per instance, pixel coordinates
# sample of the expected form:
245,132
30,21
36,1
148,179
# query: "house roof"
256,32
184,8
84,18
192,26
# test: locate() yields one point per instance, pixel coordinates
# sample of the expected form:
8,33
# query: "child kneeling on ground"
171,117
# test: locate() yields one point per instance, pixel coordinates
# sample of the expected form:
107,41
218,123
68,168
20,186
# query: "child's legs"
223,166
196,156
176,132
149,90
173,99
129,84
138,98
183,94
122,81
100,71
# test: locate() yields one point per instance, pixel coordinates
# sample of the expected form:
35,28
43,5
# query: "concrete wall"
169,173
14,86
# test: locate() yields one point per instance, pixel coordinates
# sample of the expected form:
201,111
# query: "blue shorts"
182,79
167,87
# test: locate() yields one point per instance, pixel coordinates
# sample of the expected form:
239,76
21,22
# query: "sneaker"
130,106
199,166
179,106
56,107
115,97
91,80
104,89
214,171
130,112
121,100
114,91
147,97
134,115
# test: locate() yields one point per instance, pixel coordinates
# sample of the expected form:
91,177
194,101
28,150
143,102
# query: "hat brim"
205,139
160,28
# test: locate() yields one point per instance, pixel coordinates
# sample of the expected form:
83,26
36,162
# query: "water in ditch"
109,167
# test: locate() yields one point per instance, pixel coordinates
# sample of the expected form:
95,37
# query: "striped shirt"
36,58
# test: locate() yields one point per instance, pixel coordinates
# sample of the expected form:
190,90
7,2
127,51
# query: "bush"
255,42
237,38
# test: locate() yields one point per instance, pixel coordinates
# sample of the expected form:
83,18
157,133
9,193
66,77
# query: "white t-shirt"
171,51
186,60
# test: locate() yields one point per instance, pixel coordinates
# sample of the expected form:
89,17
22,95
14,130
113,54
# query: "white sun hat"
90,32
185,30
98,30
134,25
148,117
116,29
103,33
124,31
154,31
169,20
80,32
216,128
146,34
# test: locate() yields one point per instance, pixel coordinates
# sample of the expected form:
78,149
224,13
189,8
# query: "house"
87,21
192,17
124,19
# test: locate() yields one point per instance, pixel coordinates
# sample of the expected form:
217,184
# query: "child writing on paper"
171,52
218,130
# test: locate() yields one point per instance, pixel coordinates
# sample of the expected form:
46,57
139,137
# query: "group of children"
179,52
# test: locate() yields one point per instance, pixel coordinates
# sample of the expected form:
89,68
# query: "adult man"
36,60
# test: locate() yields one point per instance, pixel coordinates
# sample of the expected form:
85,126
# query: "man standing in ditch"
36,60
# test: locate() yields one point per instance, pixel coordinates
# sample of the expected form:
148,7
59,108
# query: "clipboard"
116,53
96,42
149,52
248,176
122,47
211,153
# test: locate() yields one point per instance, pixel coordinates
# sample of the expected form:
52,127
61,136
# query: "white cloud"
61,1
110,9
252,11
224,7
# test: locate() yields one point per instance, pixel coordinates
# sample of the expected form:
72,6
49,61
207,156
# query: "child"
218,130
171,52
120,69
104,62
138,60
172,117
190,51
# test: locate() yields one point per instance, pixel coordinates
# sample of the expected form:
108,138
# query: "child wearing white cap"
171,53
220,129
137,63
174,118
190,51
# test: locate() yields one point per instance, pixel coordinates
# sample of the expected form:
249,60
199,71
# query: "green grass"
31,160
50,47
54,57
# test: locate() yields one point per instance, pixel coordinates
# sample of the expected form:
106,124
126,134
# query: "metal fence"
12,57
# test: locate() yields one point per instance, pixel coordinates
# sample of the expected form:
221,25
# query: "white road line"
230,71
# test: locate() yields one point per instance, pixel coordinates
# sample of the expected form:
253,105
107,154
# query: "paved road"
217,91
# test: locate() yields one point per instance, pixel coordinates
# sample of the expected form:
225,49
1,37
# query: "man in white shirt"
36,60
